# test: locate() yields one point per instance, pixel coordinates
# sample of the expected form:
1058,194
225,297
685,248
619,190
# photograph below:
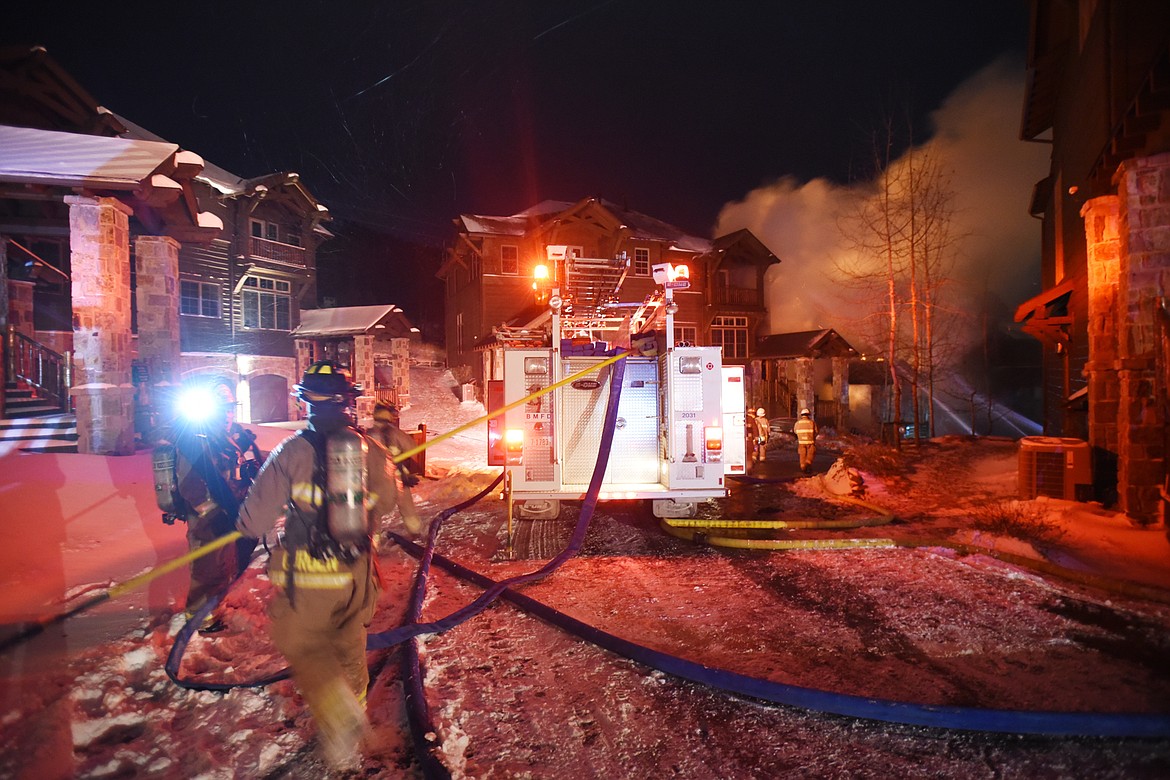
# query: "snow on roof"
33,156
805,343
639,225
343,321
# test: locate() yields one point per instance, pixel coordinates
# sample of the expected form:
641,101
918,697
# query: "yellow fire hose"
136,582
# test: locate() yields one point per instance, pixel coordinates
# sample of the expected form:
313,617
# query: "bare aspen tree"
902,242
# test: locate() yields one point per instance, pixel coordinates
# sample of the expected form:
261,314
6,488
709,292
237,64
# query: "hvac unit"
1055,467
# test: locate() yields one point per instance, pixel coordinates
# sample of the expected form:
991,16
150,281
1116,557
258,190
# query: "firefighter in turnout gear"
324,481
806,440
388,432
211,461
760,428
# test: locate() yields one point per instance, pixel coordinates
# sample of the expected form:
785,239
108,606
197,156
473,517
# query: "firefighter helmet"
760,412
325,382
805,413
386,413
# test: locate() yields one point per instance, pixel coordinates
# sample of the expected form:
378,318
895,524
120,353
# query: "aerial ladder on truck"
671,442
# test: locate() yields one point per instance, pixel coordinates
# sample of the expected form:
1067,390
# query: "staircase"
33,424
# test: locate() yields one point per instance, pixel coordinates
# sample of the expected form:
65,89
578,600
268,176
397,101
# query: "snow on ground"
512,696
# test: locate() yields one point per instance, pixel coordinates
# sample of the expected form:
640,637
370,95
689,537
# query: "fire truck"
680,420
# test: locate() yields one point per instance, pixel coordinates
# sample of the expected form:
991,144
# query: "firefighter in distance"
806,440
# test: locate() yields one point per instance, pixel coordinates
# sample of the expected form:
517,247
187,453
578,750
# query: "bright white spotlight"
199,404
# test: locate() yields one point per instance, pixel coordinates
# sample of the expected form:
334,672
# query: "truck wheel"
669,508
539,509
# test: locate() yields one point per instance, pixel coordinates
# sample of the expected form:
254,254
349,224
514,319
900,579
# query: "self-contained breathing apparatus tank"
345,486
328,392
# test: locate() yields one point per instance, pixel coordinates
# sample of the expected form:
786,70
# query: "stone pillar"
306,355
1142,418
363,375
806,396
103,394
156,260
1103,253
841,392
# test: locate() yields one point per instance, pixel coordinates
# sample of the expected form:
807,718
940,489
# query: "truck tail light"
713,441
514,446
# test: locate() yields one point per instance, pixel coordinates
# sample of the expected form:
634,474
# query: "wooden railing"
736,296
276,251
31,362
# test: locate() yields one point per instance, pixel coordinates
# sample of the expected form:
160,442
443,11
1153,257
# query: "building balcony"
274,251
743,297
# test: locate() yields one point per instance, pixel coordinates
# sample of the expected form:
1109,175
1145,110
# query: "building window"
475,267
731,333
509,260
292,238
198,299
641,261
685,334
262,229
266,303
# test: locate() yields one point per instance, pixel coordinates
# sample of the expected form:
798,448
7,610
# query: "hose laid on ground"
422,728
1053,724
116,591
385,639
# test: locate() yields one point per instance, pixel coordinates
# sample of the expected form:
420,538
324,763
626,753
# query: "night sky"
401,115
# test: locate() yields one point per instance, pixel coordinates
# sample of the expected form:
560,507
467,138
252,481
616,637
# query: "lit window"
685,334
641,261
266,303
731,333
198,299
509,260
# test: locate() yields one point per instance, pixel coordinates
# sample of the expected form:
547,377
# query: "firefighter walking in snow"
323,481
203,467
806,440
388,432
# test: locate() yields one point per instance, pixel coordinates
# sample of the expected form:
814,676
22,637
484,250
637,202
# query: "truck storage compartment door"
633,457
692,381
525,372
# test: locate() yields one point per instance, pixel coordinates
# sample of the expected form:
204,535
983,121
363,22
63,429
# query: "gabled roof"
639,226
37,92
744,245
824,343
352,321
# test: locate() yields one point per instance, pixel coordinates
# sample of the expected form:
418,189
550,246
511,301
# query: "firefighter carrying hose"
323,481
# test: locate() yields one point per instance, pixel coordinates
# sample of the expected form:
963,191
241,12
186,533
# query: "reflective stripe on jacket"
805,430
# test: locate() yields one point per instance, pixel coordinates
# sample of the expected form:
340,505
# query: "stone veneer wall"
20,306
156,261
103,395
363,370
1103,250
1144,278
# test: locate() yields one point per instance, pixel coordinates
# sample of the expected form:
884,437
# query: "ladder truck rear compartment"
671,445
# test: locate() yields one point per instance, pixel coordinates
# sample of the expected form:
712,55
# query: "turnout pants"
806,452
320,614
